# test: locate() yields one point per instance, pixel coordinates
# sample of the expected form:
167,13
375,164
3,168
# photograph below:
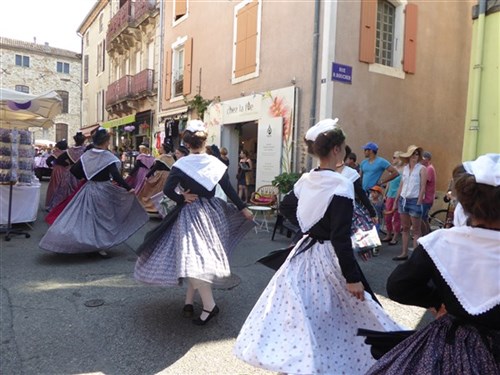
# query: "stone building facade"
35,69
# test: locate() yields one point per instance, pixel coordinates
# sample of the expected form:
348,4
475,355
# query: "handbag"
362,239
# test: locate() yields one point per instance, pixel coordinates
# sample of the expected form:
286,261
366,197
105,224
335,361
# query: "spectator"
410,197
373,167
391,214
430,191
350,161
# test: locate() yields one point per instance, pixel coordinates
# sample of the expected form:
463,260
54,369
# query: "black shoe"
399,257
200,322
188,311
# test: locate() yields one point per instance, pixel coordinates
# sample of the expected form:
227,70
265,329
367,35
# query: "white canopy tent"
20,110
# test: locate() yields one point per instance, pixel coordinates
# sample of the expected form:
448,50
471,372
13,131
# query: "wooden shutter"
180,8
86,69
410,41
167,88
188,67
251,44
368,29
246,39
103,55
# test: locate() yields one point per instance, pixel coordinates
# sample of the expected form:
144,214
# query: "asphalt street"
81,314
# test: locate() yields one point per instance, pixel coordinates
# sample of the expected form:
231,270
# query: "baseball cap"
371,146
377,189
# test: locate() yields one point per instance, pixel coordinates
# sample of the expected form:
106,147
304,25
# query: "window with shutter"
167,73
65,100
61,131
246,40
180,9
388,32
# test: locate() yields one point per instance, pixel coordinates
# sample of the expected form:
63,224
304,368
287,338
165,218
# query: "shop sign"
119,122
269,148
240,110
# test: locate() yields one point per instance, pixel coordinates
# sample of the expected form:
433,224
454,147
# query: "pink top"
430,186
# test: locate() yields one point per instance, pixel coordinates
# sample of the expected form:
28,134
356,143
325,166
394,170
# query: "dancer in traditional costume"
102,214
58,171
305,321
456,273
142,165
194,241
155,179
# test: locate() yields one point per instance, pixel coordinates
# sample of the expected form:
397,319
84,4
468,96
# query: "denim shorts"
427,208
410,207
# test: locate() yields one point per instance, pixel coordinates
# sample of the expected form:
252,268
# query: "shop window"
246,40
388,34
23,88
23,61
65,100
61,131
62,67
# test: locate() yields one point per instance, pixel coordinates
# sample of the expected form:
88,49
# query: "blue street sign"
341,73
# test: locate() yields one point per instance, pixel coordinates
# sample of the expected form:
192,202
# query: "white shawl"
205,169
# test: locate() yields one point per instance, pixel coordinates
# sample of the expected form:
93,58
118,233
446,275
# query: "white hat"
486,169
196,126
321,127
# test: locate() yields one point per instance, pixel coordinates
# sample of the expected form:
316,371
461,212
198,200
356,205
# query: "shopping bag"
362,239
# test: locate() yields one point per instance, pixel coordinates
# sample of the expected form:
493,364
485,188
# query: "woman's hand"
357,290
247,213
131,191
375,220
189,197
438,313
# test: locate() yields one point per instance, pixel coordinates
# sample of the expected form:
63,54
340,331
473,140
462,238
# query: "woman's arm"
410,283
174,179
341,210
77,170
153,169
138,164
423,182
117,177
288,207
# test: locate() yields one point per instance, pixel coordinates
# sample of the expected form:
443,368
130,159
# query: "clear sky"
52,21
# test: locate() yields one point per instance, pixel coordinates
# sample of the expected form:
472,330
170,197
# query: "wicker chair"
266,195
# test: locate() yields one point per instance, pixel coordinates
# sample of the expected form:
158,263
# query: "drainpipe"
471,151
314,73
159,92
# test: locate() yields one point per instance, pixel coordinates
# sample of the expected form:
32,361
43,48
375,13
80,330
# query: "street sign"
341,73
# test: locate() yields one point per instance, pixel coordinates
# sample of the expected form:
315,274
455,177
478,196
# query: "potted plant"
285,181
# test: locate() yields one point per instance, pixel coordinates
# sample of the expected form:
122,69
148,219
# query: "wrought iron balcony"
126,21
119,90
142,83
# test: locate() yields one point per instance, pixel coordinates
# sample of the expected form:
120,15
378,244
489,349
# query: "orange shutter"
251,38
188,67
241,33
180,8
367,31
167,89
410,44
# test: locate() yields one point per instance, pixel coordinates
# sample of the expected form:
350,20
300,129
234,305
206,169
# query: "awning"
118,122
87,130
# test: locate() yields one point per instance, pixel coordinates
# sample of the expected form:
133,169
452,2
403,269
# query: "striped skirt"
101,215
196,245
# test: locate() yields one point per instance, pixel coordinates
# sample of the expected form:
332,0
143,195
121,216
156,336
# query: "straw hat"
410,151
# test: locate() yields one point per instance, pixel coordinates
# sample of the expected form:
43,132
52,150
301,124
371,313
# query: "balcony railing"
142,82
129,15
131,87
119,90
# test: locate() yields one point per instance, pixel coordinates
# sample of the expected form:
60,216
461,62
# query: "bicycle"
443,218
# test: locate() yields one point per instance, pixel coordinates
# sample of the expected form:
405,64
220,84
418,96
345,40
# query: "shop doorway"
237,137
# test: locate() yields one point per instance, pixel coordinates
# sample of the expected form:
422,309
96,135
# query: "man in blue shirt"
373,167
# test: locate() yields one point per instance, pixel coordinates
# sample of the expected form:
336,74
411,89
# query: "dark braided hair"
325,142
194,139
